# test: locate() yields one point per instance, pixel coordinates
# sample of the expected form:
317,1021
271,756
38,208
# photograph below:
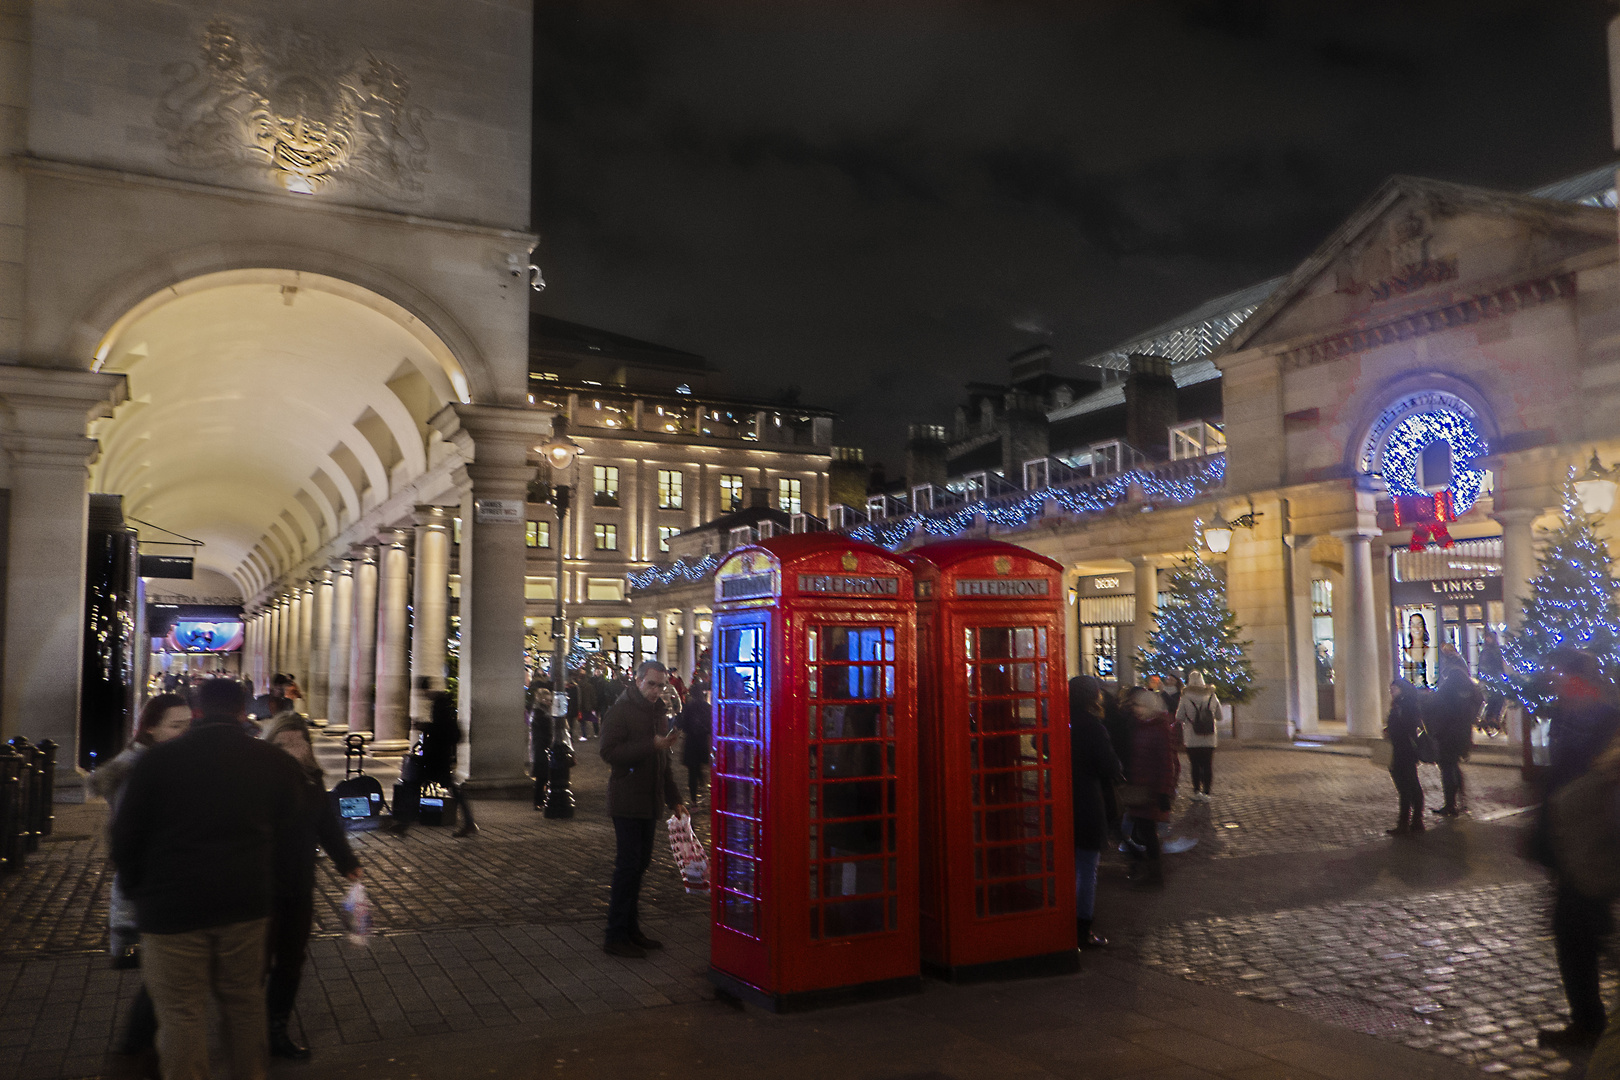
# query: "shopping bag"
357,914
690,858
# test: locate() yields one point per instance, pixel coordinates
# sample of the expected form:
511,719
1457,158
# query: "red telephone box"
814,895
998,850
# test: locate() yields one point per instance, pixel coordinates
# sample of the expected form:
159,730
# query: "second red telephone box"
814,894
998,854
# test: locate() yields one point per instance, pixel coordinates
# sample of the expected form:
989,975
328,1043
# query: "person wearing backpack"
1197,713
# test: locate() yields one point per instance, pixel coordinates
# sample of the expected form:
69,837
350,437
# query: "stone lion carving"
300,108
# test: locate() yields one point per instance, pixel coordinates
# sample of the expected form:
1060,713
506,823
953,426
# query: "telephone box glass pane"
850,687
739,668
1010,767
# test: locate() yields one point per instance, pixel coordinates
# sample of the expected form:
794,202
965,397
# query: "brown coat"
642,784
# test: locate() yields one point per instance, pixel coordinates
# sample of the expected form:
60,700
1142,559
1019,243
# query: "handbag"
1428,751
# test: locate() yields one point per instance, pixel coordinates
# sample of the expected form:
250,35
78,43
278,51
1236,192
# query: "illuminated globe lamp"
559,452
1595,487
1218,535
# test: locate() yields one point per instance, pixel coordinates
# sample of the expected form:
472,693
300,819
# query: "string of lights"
1090,496
1408,439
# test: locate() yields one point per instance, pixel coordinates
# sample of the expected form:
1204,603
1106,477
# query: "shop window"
731,492
605,481
788,496
607,536
669,489
537,534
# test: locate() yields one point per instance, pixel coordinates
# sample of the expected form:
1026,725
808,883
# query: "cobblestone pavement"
1293,896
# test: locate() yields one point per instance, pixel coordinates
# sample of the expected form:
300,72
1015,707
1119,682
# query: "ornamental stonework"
300,110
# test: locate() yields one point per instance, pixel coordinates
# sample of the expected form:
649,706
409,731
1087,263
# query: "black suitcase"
357,798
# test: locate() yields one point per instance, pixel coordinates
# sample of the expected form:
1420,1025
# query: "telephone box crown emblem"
850,562
1003,565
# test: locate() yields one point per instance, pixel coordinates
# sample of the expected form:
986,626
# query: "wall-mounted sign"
1473,590
849,584
747,586
990,588
1105,584
498,511
167,566
205,636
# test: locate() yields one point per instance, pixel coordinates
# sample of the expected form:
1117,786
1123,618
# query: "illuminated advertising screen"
196,635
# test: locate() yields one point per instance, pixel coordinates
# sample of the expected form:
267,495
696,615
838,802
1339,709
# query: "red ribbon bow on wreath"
1427,515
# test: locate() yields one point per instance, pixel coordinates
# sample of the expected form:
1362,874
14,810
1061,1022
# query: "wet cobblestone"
1468,974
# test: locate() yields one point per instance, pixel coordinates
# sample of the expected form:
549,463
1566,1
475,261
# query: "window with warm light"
455,530
605,479
669,489
607,536
537,534
789,498
664,533
731,492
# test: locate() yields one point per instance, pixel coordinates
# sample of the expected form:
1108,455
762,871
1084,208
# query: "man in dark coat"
1450,713
1584,722
1094,770
635,742
207,824
694,722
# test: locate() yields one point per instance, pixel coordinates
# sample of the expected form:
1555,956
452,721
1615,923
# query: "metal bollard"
28,791
46,815
10,766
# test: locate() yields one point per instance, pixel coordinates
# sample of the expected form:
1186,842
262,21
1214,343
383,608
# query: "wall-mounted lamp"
1218,534
1595,487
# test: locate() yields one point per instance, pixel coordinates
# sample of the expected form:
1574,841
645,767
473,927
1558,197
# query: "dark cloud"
875,202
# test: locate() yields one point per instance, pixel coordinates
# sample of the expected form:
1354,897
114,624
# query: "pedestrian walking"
441,734
204,824
1197,713
540,735
1094,770
695,723
163,717
635,743
1492,671
274,701
293,916
1153,773
1449,715
1403,729
1584,722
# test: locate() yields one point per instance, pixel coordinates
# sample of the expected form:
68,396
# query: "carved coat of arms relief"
300,109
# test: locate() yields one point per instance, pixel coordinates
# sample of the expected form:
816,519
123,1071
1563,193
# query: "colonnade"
366,636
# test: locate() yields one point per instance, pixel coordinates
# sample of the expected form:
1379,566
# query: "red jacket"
1155,765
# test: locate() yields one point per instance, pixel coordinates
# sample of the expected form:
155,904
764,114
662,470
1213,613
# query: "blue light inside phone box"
431,802
357,806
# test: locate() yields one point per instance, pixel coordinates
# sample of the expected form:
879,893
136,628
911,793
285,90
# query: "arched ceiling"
267,411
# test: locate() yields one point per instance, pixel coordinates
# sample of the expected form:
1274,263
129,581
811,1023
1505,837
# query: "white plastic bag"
690,858
357,914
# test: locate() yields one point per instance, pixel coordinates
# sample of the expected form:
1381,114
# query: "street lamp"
559,452
1218,534
1596,487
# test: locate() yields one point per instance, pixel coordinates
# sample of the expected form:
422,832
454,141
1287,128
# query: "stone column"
1302,704
1147,605
688,644
319,691
1518,561
393,630
49,455
431,601
496,443
306,635
337,690
363,648
1360,670
1071,625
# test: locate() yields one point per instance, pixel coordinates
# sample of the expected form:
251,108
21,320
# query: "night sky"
871,203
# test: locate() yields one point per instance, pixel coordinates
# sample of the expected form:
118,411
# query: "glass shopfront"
1106,610
1444,596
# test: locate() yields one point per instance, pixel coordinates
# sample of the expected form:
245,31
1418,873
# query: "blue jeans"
1085,882
633,855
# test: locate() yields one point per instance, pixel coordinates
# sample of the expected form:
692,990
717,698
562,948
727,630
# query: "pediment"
1421,244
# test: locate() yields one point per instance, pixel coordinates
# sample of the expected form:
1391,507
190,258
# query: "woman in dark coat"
1154,771
1094,769
437,752
293,913
1405,721
1452,711
694,720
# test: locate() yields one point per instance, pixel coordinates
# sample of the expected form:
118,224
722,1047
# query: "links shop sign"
1472,590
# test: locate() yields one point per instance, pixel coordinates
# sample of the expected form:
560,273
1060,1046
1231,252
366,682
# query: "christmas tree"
1196,631
1571,604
